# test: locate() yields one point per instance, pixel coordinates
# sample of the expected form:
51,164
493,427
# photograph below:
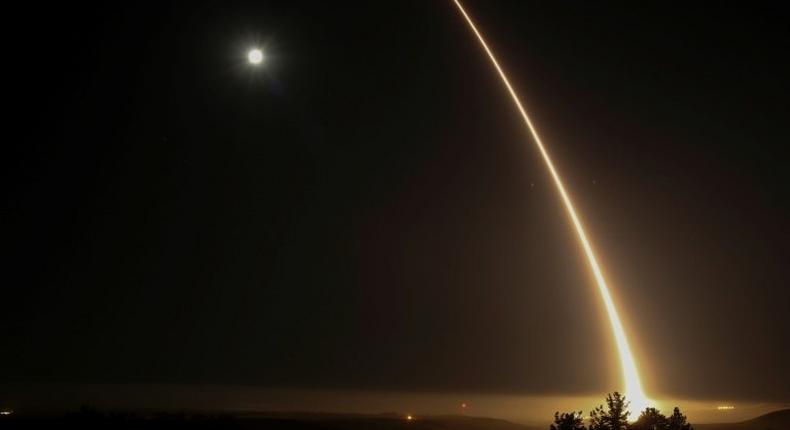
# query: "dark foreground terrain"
259,422
779,420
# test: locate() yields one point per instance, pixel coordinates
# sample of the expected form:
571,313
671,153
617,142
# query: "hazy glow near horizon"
532,409
633,385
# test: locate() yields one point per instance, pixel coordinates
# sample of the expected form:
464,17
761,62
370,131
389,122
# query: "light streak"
633,385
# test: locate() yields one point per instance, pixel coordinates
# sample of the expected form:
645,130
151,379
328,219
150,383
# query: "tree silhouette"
615,417
651,419
568,421
677,421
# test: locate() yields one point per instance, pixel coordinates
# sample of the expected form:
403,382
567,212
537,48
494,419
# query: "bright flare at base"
633,385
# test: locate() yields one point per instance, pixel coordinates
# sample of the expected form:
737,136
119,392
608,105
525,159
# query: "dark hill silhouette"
265,421
777,420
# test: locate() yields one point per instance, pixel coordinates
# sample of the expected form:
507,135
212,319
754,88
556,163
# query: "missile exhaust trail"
633,385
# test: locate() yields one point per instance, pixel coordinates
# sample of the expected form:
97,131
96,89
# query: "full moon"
255,56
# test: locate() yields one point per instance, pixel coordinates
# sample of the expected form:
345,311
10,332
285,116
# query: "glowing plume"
633,386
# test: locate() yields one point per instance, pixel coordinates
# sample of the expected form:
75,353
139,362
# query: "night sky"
365,210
